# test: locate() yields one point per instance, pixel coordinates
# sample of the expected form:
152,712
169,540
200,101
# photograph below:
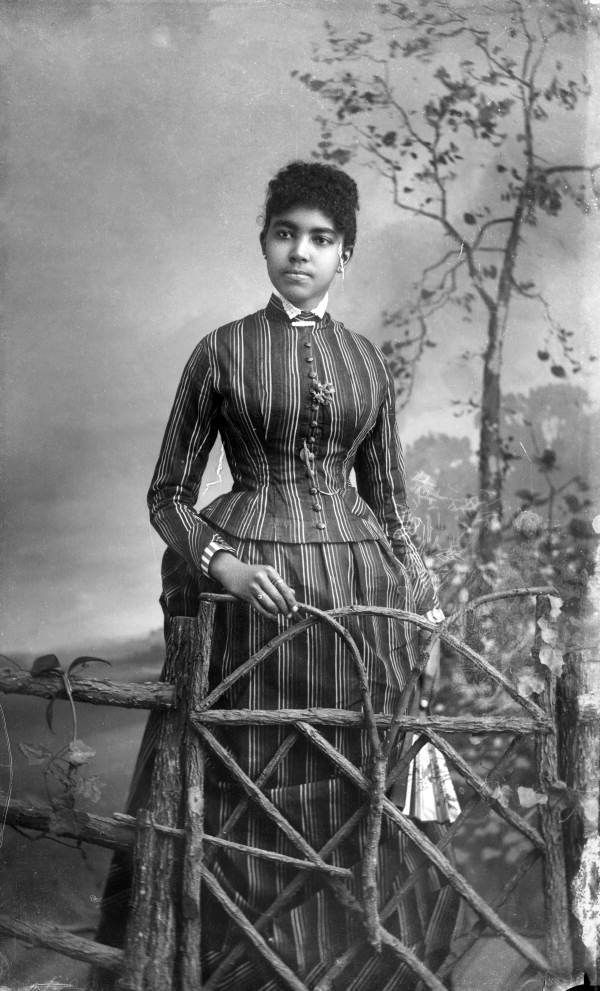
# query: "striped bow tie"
305,319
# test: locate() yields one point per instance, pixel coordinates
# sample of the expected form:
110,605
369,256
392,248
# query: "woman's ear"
344,254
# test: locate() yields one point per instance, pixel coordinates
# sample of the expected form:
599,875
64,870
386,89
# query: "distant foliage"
548,535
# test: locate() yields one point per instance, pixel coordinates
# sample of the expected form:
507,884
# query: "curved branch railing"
200,713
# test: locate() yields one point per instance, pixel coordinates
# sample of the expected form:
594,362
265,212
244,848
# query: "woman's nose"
300,248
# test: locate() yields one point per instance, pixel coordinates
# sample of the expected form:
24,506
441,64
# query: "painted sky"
140,137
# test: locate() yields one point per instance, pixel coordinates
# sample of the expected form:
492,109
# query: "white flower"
528,523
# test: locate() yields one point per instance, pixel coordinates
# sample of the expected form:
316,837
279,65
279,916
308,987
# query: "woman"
299,402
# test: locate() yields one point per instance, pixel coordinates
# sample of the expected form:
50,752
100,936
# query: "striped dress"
302,411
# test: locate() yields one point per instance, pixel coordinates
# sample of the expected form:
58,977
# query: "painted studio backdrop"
139,139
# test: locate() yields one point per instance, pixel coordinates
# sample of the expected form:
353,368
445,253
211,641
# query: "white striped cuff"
216,544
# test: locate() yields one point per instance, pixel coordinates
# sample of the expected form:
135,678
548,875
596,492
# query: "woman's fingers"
265,598
435,615
262,604
272,594
252,583
285,593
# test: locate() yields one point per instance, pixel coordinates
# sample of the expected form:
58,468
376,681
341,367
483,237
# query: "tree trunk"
490,444
491,465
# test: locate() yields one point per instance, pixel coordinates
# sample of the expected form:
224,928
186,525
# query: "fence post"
153,942
193,798
579,700
558,937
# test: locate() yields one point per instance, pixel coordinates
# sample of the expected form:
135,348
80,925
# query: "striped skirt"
312,670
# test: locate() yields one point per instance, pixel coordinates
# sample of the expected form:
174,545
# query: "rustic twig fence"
172,852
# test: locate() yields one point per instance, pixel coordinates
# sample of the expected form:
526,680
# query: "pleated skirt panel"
314,669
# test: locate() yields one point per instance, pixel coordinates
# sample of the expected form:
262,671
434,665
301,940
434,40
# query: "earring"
340,268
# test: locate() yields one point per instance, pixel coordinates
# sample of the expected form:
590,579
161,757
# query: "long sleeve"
189,436
381,481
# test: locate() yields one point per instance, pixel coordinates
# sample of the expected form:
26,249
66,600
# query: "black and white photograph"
300,640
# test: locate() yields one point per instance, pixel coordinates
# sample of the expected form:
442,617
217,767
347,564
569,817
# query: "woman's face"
303,252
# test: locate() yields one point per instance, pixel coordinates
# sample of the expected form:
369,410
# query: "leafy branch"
63,766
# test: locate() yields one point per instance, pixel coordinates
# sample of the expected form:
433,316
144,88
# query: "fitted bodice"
294,406
297,409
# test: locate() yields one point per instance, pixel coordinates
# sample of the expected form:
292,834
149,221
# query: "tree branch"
486,226
553,169
440,261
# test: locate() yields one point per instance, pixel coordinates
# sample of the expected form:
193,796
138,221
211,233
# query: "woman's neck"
292,310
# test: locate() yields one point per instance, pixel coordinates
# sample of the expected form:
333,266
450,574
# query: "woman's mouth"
294,274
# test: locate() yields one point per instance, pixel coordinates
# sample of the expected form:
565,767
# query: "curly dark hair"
322,187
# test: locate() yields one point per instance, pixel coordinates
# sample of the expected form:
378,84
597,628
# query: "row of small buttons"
308,456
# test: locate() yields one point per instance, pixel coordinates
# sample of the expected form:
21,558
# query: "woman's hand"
258,584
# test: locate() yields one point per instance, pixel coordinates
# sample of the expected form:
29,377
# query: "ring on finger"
260,595
279,580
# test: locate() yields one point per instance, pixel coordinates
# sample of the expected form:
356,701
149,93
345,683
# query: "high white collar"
293,311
